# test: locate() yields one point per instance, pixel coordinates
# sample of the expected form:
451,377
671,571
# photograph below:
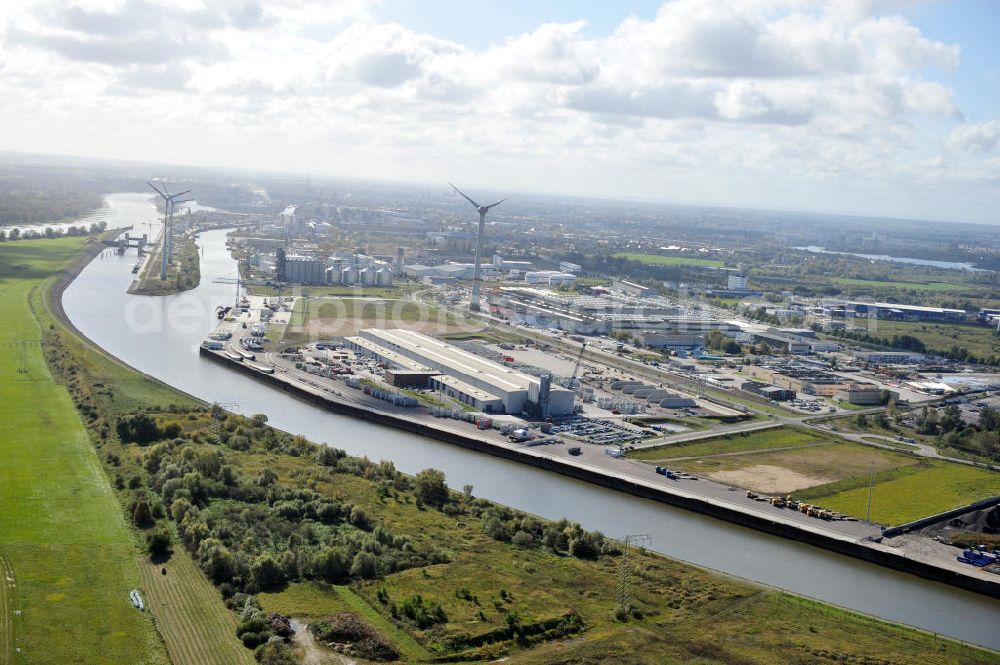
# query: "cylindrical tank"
369,276
383,277
349,275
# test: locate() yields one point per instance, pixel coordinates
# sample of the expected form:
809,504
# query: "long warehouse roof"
388,354
455,358
465,388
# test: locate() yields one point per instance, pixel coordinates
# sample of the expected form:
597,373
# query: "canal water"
160,336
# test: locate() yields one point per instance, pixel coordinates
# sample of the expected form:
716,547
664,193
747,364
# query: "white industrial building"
550,277
448,271
487,385
567,266
888,357
737,282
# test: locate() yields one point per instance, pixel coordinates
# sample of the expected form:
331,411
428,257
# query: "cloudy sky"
887,108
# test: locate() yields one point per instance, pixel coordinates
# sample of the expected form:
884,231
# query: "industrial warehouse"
486,385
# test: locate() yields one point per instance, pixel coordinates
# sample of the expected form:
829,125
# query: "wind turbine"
168,225
482,210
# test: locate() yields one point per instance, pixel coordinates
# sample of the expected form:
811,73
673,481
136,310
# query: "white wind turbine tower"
482,210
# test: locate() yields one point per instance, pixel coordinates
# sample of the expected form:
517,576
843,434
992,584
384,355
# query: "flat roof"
455,358
465,388
902,307
388,354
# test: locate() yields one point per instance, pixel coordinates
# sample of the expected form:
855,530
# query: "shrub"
141,515
430,487
159,543
266,573
365,566
522,539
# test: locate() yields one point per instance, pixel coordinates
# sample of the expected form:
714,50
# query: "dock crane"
239,281
573,380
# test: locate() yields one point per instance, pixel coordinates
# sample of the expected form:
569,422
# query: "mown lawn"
778,437
190,614
907,494
658,260
61,528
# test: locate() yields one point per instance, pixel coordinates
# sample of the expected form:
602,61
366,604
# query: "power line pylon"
624,605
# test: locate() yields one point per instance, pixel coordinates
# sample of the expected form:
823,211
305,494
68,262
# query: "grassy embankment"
61,530
905,487
95,619
658,260
487,588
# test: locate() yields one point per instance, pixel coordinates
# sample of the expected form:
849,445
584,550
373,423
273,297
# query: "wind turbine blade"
182,193
494,205
156,189
464,196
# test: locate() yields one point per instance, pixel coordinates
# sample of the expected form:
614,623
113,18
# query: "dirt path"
311,652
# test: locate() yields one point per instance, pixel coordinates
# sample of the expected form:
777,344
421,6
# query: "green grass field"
778,437
657,260
189,613
981,341
313,311
62,530
910,493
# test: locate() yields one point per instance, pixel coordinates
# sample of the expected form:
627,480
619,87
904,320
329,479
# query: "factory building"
475,380
672,341
567,266
503,265
448,271
737,282
550,277
784,343
888,358
798,377
632,289
897,311
589,315
867,394
768,391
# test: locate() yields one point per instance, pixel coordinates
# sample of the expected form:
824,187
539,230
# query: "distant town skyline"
887,108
